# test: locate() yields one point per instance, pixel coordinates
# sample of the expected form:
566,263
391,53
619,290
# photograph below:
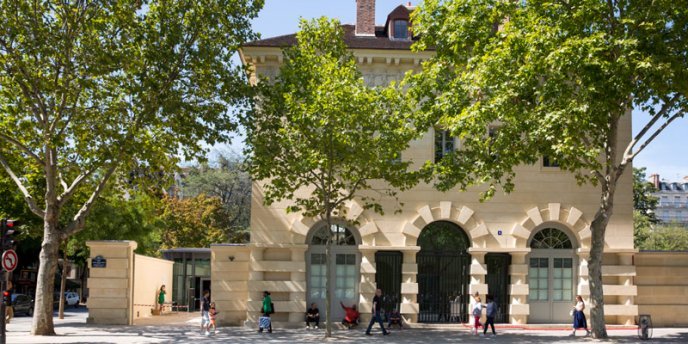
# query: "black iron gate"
388,278
443,279
498,281
443,273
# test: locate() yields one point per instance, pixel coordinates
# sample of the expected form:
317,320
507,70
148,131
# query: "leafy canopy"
554,78
87,87
320,130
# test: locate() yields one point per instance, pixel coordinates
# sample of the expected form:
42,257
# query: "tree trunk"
328,271
598,229
45,283
63,282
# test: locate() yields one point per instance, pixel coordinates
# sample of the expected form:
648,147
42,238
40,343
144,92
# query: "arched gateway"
443,273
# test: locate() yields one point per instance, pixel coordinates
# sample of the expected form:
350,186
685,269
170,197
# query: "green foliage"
116,217
90,87
192,222
642,229
555,78
226,180
319,127
666,238
643,201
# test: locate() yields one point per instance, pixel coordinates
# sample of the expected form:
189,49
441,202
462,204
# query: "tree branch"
669,104
27,196
69,191
79,220
23,148
629,157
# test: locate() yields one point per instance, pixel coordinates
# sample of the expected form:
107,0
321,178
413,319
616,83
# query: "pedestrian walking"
205,313
579,320
376,313
477,312
161,298
491,312
265,323
212,314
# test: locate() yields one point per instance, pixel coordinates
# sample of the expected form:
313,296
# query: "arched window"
339,235
551,238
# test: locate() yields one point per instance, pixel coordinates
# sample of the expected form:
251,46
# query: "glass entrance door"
344,285
344,262
551,281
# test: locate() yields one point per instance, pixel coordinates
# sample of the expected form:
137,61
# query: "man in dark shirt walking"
376,313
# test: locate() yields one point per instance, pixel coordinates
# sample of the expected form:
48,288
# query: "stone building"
672,207
528,249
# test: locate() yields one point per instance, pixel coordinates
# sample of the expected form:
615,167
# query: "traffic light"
9,232
6,297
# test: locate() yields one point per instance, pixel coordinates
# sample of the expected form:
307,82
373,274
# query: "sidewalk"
73,329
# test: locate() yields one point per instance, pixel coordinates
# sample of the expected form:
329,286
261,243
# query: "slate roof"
380,41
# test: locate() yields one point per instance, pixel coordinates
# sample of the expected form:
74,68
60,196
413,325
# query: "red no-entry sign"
9,260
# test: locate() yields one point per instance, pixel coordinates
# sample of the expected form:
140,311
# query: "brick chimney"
655,180
365,17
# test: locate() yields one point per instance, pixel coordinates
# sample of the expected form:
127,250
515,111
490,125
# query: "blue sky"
666,155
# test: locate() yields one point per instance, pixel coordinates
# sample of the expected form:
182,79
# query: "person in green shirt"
161,298
267,304
264,321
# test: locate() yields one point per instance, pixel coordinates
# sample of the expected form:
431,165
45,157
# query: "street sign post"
9,260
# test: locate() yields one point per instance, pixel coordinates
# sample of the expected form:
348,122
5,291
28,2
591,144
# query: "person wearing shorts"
205,313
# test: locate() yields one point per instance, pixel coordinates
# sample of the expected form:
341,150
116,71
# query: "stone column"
409,308
255,295
367,285
625,278
230,282
478,270
111,288
519,289
298,254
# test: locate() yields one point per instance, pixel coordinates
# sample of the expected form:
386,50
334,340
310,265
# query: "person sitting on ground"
394,318
313,316
351,317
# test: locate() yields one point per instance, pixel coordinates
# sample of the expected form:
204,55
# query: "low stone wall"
149,274
662,280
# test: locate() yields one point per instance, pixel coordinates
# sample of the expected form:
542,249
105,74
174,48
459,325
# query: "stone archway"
443,273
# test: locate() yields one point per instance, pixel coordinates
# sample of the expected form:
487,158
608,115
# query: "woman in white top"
476,311
579,317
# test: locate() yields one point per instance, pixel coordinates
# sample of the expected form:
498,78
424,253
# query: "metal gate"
443,273
388,278
498,281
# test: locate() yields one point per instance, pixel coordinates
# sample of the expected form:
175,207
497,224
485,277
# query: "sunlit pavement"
182,329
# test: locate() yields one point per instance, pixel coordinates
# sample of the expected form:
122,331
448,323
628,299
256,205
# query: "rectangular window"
549,162
318,276
401,29
538,279
444,144
345,276
562,279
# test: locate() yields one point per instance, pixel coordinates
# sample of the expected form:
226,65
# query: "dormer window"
400,29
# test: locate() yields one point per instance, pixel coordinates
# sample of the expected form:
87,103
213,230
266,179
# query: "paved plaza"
182,328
